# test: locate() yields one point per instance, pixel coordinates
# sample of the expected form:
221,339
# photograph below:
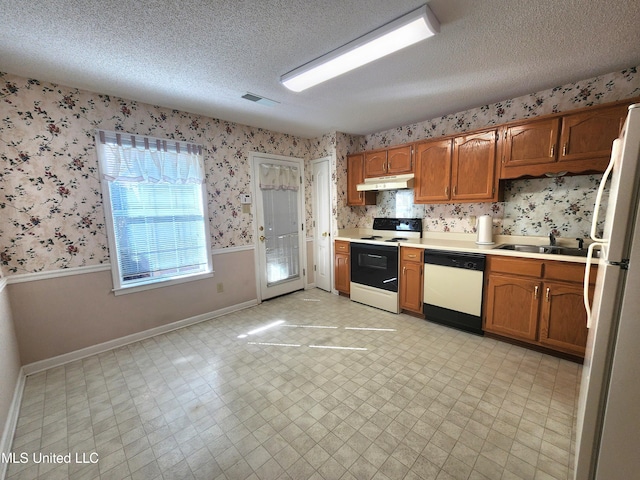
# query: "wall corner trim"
65,358
12,421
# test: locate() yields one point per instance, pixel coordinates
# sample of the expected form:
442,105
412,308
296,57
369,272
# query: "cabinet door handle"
446,191
404,270
455,188
553,151
564,149
412,255
535,292
548,294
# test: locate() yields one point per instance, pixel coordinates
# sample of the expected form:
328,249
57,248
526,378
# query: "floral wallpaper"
51,214
530,207
50,197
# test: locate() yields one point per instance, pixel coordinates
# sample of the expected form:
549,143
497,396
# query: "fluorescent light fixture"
396,35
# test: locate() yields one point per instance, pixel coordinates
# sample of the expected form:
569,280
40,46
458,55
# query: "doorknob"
261,228
324,234
262,238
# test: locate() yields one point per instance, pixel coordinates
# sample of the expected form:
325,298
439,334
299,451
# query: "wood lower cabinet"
563,319
538,302
411,278
512,306
355,175
342,266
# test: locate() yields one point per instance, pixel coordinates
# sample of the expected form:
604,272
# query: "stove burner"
397,239
372,237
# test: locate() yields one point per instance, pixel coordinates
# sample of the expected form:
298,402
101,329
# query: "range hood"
393,182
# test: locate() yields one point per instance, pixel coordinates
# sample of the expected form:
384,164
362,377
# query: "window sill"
161,283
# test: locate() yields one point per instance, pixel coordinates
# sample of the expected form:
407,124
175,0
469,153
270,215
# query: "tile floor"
219,400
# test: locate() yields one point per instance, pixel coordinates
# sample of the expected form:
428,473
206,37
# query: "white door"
279,195
322,230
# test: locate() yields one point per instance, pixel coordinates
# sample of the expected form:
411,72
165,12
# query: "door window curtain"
279,177
155,201
279,185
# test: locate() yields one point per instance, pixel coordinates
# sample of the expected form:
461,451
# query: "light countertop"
465,242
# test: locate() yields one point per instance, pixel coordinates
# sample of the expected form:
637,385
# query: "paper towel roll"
485,230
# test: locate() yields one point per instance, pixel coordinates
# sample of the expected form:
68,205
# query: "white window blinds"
155,201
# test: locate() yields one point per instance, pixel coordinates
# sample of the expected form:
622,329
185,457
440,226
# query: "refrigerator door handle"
587,275
615,154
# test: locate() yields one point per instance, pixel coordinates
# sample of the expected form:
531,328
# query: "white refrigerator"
608,420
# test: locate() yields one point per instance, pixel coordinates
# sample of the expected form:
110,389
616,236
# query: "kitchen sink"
549,249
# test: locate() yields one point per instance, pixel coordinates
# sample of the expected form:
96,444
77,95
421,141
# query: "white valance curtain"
279,177
134,158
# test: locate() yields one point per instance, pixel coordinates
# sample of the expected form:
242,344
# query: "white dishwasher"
453,284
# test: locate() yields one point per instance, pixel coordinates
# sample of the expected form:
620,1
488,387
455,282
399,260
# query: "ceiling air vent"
252,97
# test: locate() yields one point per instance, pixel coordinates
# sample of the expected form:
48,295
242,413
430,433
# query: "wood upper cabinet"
589,135
399,160
355,175
473,167
530,143
342,266
375,164
392,161
411,274
460,169
574,143
537,301
433,171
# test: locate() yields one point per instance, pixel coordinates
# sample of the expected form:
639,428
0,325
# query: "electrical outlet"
220,287
473,220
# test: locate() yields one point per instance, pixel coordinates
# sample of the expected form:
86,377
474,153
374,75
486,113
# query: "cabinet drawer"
515,266
568,272
409,254
342,246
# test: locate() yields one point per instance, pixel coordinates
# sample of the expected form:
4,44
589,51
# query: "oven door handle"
373,256
390,280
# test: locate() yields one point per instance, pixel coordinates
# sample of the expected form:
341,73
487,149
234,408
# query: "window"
155,206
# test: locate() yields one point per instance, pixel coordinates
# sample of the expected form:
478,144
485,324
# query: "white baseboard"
12,422
59,360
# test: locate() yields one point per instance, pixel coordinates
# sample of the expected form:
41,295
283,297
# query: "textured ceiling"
201,56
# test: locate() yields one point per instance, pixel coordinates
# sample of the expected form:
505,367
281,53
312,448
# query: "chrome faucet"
580,243
552,239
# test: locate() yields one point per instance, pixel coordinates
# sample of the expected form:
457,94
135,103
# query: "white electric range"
375,262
